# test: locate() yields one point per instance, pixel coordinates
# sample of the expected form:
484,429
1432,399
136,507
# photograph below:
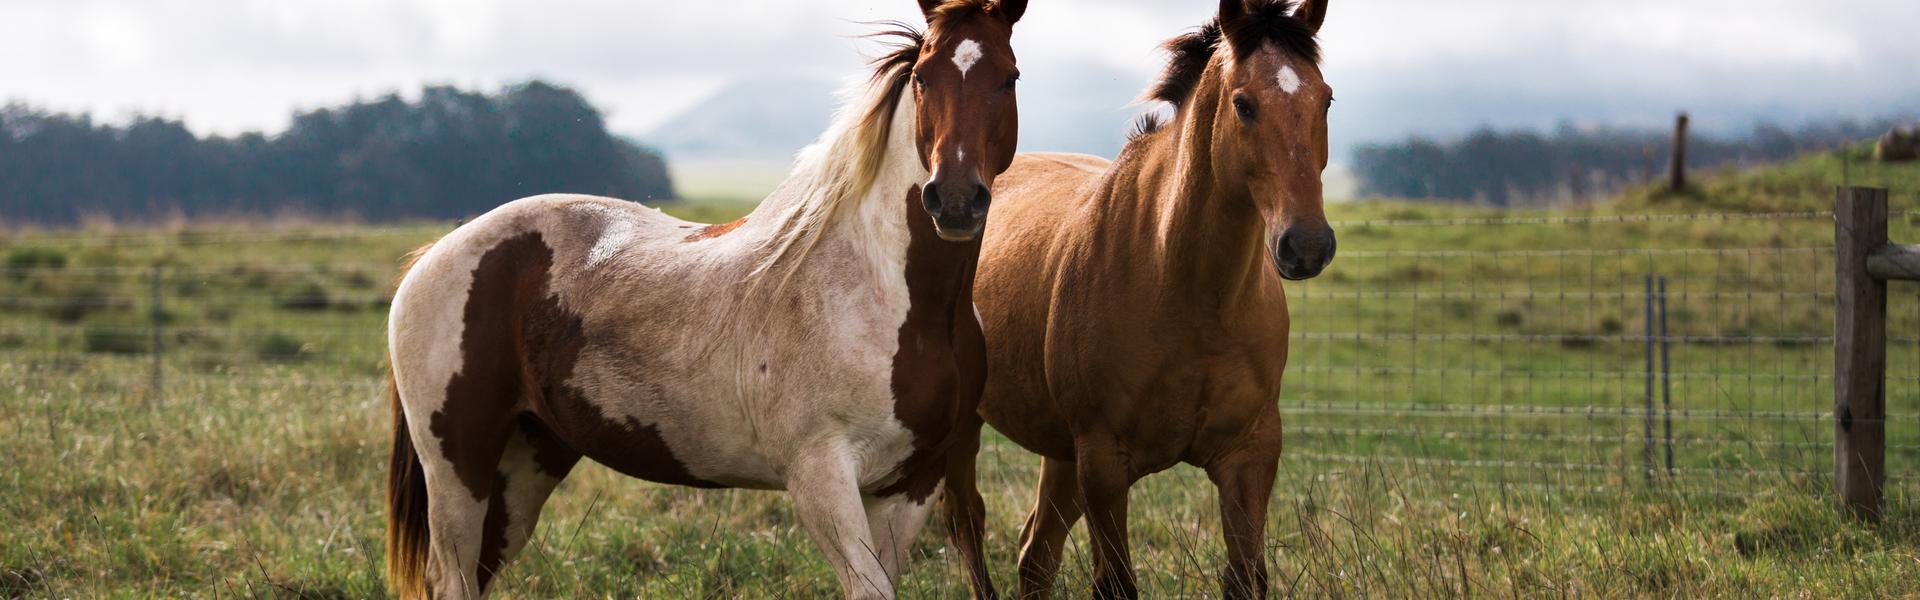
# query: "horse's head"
963,89
1270,128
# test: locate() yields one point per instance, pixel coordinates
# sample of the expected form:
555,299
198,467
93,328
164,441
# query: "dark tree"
451,154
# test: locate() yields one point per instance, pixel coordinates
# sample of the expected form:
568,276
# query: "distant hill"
752,119
1063,107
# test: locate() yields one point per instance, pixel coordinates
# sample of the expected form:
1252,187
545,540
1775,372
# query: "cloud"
1398,65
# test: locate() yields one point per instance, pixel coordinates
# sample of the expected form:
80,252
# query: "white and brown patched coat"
818,346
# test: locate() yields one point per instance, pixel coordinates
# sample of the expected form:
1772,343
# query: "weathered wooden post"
1860,346
1677,163
1666,376
1646,448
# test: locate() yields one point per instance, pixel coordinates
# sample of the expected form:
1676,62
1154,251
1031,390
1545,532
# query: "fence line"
1586,219
1581,253
1458,363
1548,437
1587,411
1556,338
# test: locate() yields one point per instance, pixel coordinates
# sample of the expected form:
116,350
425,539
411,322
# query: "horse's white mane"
829,179
831,175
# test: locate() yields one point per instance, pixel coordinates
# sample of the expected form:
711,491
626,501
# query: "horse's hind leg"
1056,508
460,444
1244,476
533,463
826,497
466,459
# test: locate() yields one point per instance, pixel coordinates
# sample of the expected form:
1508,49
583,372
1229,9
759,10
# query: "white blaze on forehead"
965,55
1289,80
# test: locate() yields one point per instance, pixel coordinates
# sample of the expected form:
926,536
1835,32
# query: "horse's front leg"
1244,476
895,522
966,511
826,497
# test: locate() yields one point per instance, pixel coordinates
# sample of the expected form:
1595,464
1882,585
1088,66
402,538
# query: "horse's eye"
1243,106
918,81
1011,82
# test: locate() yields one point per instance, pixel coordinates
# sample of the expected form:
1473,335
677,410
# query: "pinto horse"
1134,310
825,345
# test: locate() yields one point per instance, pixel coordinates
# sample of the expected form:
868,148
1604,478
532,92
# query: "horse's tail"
407,532
406,510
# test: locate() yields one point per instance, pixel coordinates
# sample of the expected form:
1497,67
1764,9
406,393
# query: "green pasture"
1466,404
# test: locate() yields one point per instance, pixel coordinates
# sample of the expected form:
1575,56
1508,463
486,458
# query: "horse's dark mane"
1187,58
1146,124
1268,21
1273,21
902,43
955,10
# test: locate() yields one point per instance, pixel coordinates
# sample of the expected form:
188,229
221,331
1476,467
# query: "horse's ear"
1011,10
927,6
1313,13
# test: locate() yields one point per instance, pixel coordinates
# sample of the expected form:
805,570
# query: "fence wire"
1690,352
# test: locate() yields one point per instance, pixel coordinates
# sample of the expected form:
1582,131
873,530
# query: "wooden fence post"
1677,162
1859,350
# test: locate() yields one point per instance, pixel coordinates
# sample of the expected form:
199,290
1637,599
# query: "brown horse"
1134,311
825,345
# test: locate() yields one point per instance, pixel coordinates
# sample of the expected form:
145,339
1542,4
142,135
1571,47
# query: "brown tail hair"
407,532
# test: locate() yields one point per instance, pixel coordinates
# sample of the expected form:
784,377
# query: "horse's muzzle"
1302,253
959,211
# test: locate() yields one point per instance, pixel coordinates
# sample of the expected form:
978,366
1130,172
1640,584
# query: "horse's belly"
646,442
690,433
1027,417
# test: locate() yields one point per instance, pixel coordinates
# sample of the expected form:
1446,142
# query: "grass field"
1464,400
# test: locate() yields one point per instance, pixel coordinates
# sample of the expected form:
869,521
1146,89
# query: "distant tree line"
450,154
1524,167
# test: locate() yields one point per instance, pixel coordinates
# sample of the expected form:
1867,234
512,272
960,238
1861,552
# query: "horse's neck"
1206,239
874,225
877,225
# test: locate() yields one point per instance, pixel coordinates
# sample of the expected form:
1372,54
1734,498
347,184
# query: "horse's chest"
927,376
1198,398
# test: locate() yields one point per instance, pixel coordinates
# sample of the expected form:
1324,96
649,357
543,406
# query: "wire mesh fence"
1691,352
1577,354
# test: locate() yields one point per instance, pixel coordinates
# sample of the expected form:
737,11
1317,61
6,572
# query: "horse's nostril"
982,199
930,197
1288,253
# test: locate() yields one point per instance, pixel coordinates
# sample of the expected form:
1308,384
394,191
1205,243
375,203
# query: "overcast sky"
1397,65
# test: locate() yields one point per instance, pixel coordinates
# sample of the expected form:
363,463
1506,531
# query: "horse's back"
1048,174
510,315
519,243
